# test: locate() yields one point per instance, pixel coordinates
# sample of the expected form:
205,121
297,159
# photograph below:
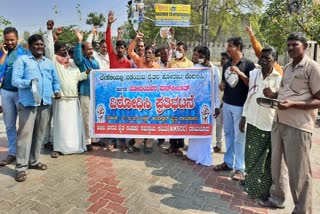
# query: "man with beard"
118,59
36,80
83,58
291,134
10,51
68,138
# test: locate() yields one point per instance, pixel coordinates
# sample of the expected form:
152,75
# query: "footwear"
39,166
160,142
55,154
222,167
89,148
110,148
48,146
133,149
131,142
21,176
8,160
238,176
170,150
269,204
123,147
147,150
114,143
217,149
179,152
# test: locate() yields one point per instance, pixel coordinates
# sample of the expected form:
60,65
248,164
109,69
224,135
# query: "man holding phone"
10,52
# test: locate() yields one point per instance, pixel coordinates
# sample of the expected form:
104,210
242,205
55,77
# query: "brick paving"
116,182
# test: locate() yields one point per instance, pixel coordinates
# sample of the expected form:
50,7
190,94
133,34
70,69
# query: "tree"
283,17
4,22
96,19
226,18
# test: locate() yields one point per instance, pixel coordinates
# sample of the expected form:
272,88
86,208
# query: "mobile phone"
5,46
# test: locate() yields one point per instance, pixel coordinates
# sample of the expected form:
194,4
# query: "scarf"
65,61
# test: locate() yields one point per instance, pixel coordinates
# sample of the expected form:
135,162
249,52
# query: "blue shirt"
84,64
27,68
7,66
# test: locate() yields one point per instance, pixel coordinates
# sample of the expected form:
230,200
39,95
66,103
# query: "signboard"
173,15
142,103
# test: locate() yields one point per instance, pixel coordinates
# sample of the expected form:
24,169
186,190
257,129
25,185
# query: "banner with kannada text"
142,103
173,15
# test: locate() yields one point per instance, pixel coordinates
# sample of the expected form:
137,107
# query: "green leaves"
95,19
277,22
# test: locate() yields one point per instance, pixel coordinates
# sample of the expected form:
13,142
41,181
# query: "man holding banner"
146,62
180,61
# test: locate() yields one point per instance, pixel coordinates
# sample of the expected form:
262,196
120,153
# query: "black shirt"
237,96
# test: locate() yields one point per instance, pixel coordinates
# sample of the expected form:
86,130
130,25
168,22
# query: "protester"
104,63
34,71
164,57
219,120
118,59
180,61
68,138
235,79
10,52
146,62
49,37
259,123
199,149
195,55
257,47
292,128
102,55
147,59
83,58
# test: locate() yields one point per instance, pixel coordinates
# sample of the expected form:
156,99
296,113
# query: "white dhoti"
68,133
199,150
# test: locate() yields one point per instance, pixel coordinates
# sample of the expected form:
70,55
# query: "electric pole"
205,22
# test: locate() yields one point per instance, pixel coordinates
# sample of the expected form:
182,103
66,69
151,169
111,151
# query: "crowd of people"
265,146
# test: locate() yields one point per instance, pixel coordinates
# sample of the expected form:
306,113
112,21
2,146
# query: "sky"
30,15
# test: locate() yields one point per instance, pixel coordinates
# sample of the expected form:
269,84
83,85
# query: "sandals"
8,160
179,152
170,150
21,176
55,154
238,176
222,167
133,149
39,166
123,147
160,142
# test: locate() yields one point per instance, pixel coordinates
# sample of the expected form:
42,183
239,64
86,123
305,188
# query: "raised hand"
249,29
59,31
139,36
94,30
111,18
79,35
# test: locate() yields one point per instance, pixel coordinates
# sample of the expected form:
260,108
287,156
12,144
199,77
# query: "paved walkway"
116,182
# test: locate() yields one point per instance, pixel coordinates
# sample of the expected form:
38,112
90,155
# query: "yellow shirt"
180,63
